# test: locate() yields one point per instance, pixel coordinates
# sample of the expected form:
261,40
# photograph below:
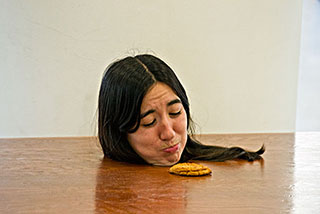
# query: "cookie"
189,169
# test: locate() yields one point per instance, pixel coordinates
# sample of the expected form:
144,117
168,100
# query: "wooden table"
69,175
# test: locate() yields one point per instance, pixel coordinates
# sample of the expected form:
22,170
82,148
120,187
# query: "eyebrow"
147,113
172,102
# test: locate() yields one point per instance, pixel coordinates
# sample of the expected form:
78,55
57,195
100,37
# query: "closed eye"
149,124
175,113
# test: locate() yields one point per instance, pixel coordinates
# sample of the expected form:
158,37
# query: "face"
162,134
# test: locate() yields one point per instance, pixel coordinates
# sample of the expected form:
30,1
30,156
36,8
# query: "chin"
164,164
168,162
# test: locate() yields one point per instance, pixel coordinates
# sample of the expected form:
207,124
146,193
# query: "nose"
166,130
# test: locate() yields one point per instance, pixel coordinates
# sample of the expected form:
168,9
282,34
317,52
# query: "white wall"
237,59
308,106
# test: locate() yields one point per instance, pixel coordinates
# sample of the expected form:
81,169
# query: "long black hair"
123,87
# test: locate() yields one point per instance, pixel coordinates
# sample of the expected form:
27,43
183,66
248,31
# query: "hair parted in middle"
123,87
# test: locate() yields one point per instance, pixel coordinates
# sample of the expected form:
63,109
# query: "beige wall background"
238,60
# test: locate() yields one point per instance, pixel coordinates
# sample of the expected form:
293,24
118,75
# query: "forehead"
159,94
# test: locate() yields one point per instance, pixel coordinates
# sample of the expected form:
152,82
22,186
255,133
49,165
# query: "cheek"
181,125
136,139
140,140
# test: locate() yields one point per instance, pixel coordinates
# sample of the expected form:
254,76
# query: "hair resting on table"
123,87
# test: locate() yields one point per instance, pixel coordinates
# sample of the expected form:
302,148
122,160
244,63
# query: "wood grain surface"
69,175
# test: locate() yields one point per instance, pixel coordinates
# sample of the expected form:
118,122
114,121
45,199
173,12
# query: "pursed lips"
169,146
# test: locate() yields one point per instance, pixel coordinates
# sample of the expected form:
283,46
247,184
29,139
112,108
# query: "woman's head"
143,112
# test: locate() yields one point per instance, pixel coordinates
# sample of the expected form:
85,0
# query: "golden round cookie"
189,169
